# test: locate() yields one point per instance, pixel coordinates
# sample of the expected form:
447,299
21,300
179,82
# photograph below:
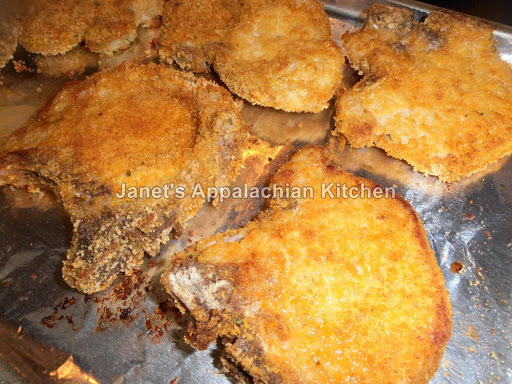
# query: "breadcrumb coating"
148,12
80,59
115,24
281,55
142,50
55,27
114,27
142,125
319,290
194,30
435,93
9,32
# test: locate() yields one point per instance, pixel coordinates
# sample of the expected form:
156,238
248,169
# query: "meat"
9,33
319,288
281,55
435,93
55,27
193,31
130,126
114,26
72,63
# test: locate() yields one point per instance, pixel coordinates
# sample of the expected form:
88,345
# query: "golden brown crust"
80,59
281,55
9,32
322,290
53,27
143,125
193,30
435,93
148,12
113,28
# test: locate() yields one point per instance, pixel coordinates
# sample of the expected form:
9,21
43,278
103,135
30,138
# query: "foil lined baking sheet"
131,333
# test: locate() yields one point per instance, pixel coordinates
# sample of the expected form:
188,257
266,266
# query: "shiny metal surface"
129,334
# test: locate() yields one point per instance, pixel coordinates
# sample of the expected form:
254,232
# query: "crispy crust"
9,32
53,27
319,290
281,55
113,28
80,59
115,23
143,125
193,30
148,12
435,93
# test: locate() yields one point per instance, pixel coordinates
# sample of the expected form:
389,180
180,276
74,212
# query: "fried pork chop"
9,32
80,59
319,290
281,55
193,30
142,125
435,93
115,23
55,27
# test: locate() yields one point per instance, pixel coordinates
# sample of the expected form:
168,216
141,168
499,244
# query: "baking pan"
131,334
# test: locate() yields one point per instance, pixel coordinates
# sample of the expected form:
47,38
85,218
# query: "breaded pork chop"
281,55
145,126
113,28
148,12
115,23
435,93
142,50
319,290
80,59
9,32
53,27
193,30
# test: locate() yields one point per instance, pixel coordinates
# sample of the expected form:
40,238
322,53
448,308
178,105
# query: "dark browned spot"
456,267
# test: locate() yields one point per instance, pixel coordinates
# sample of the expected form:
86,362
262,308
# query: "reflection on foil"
71,372
281,127
130,333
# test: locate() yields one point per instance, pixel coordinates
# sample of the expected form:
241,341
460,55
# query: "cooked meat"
80,59
115,23
9,32
319,290
145,126
193,30
72,63
281,55
148,12
435,93
53,27
142,50
113,28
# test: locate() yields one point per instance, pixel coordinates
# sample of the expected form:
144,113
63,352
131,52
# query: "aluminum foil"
131,333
